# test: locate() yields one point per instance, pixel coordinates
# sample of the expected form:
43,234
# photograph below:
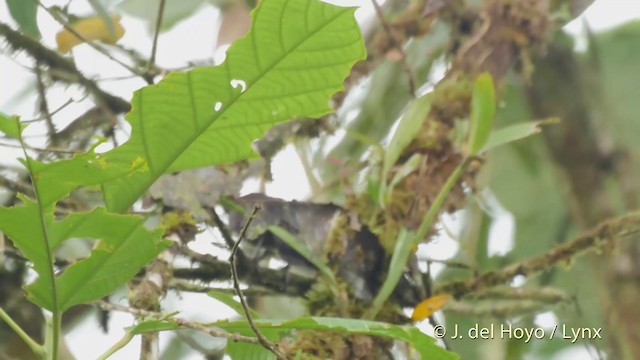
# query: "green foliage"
294,58
25,14
425,345
106,17
401,252
125,244
230,302
616,53
9,128
513,133
483,109
408,127
151,326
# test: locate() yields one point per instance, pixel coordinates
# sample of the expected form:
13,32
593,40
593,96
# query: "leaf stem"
33,345
128,336
52,335
434,210
156,35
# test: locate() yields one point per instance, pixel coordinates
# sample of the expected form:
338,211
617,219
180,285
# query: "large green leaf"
294,58
425,345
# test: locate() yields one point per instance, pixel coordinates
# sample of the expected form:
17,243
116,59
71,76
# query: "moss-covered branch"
604,235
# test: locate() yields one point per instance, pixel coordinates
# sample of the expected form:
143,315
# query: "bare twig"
397,45
156,35
179,321
61,107
236,284
224,230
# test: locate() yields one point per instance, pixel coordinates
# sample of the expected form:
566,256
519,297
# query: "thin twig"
236,284
33,345
43,150
156,35
224,230
41,118
179,321
396,44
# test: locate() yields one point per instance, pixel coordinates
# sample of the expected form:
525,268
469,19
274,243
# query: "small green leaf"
152,326
483,109
11,126
25,12
241,350
514,132
404,244
408,127
405,170
231,302
424,344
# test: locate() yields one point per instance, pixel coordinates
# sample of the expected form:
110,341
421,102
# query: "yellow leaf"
428,306
91,28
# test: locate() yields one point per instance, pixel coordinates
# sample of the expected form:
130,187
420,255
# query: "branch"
595,240
182,322
236,284
58,63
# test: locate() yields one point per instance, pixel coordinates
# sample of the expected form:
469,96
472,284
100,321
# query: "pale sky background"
176,48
